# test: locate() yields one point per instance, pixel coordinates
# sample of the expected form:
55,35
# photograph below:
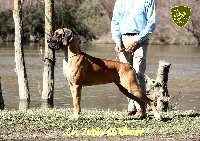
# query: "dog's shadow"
179,116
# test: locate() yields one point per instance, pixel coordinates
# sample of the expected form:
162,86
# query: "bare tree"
1,97
20,68
49,58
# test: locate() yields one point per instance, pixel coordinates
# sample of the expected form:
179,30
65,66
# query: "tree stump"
157,89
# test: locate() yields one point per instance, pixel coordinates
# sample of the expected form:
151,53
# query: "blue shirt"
133,16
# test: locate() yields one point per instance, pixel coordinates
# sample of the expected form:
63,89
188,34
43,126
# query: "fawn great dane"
81,69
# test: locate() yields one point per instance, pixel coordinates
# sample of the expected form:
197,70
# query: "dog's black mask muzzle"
54,44
58,40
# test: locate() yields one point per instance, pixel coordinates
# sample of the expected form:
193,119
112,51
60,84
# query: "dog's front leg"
76,100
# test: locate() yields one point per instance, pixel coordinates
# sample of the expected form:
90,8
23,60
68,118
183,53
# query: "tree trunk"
1,98
20,68
49,58
24,105
157,89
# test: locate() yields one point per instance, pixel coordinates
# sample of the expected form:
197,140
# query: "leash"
117,56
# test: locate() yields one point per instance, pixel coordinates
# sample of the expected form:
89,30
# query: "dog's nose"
49,40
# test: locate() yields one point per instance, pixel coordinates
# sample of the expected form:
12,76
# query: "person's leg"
139,64
138,61
127,57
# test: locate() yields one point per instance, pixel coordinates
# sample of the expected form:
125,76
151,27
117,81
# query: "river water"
183,83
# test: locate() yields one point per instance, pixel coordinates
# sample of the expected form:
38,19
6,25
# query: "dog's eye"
57,34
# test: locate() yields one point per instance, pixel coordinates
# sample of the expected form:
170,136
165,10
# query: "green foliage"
6,23
65,17
92,16
34,21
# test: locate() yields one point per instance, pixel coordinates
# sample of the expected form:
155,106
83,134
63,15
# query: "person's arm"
115,24
151,21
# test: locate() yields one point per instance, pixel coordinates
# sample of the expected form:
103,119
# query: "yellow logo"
97,132
180,15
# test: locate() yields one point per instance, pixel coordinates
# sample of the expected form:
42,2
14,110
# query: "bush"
34,22
6,23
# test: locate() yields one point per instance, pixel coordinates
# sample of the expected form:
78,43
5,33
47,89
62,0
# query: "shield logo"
180,15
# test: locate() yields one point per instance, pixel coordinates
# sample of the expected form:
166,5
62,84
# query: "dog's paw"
157,117
75,117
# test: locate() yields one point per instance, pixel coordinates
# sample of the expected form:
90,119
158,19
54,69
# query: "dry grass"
57,124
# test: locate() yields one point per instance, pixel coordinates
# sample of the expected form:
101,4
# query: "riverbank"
56,124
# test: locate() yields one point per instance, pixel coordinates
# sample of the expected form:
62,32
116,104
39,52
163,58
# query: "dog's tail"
125,92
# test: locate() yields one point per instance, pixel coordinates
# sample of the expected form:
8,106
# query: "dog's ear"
68,36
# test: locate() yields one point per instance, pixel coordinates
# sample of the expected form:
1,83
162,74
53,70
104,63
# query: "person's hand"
130,46
118,48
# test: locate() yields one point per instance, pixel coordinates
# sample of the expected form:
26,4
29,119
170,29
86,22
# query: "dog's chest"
69,72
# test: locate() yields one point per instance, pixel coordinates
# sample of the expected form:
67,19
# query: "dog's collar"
75,55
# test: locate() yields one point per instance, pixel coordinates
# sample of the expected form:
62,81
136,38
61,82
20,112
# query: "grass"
97,123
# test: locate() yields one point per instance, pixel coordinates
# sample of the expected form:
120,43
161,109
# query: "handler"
132,23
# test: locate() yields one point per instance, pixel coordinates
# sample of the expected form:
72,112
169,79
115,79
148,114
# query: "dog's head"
61,38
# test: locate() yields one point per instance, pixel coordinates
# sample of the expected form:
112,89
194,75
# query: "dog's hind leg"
138,96
129,95
76,100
